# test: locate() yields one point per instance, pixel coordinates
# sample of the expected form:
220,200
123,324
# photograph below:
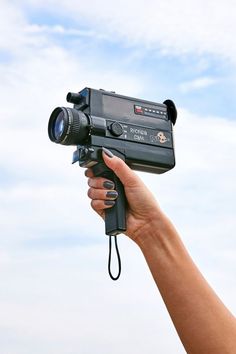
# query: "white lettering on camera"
138,131
138,137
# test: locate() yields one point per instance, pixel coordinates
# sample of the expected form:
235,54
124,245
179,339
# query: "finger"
101,183
120,168
89,173
100,212
100,205
101,194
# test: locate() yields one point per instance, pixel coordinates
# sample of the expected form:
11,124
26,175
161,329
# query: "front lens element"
59,126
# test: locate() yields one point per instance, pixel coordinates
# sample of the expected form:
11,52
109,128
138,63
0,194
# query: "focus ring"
77,131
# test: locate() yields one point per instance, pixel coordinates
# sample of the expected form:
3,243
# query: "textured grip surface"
115,217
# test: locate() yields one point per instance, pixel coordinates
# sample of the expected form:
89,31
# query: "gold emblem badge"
161,137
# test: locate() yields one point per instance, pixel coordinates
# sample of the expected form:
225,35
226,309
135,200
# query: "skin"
203,323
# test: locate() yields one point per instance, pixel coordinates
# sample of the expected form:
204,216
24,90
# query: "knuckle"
119,166
90,193
92,182
92,203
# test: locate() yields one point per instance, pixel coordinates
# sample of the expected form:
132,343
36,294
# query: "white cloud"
61,30
65,298
199,83
173,27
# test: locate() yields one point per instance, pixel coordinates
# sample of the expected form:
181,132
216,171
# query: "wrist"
154,231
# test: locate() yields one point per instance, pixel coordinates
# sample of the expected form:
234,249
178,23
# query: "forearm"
202,321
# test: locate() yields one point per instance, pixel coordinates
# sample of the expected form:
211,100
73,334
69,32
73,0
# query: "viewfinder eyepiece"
74,97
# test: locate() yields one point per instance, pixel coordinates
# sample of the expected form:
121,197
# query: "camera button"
116,129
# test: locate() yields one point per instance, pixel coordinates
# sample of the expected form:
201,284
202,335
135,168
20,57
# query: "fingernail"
108,185
112,194
109,202
107,152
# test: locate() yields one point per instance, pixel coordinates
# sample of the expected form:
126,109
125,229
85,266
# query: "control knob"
116,129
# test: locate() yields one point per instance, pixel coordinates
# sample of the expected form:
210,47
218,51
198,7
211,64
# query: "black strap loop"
118,258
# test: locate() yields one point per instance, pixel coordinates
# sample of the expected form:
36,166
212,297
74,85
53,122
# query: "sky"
56,295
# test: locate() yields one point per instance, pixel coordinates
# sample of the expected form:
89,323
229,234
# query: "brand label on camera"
145,135
148,136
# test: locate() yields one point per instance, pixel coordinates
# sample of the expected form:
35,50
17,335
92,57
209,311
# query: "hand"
203,323
142,207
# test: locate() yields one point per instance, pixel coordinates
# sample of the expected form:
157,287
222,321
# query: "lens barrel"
68,126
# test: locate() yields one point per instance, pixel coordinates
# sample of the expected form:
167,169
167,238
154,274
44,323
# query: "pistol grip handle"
115,217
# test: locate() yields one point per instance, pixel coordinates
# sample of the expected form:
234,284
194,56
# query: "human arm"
203,323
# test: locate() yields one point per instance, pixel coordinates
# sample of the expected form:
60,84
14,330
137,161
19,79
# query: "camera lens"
68,126
59,126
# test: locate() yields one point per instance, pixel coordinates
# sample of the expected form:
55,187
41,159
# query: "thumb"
127,177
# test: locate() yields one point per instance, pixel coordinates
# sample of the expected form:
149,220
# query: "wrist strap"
118,258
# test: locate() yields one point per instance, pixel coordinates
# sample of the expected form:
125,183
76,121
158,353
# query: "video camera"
136,130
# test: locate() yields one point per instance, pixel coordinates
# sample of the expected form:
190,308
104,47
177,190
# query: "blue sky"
56,294
170,74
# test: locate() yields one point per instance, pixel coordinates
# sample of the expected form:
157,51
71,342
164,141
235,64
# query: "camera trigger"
75,157
82,154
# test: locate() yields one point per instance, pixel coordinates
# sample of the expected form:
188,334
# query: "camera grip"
115,217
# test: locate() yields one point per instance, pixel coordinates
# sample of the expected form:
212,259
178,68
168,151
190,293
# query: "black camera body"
138,131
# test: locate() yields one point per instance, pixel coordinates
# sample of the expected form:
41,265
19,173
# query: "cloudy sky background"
56,295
